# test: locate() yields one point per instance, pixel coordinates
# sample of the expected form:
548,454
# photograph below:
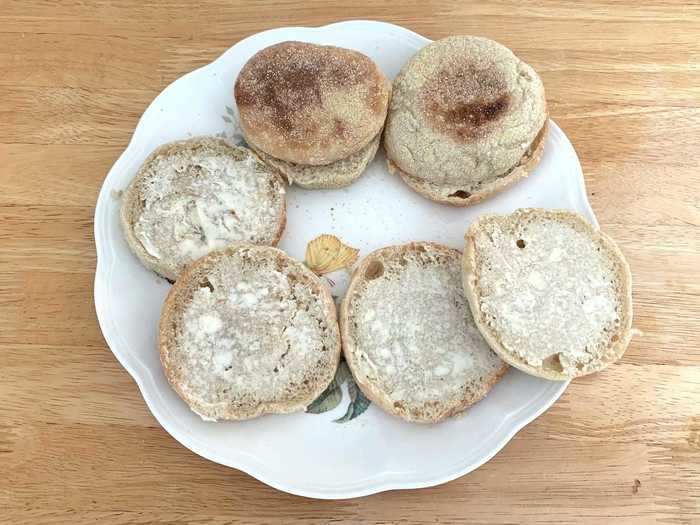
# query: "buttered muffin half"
194,196
248,331
467,119
551,294
409,337
314,113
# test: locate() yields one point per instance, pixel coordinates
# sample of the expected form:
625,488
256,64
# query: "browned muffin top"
311,104
464,112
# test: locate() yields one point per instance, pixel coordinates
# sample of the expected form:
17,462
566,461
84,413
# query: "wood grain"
77,443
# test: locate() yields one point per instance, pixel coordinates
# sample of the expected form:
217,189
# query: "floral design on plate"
233,132
333,395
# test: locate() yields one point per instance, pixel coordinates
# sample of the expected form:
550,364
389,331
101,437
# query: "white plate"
310,454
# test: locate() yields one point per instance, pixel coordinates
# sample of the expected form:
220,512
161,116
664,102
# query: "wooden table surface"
77,443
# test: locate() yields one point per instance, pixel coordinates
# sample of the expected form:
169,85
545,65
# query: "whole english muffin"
191,197
248,331
551,294
409,337
311,104
467,119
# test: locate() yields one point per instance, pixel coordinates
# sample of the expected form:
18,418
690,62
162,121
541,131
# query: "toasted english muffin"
194,196
310,104
409,338
551,294
466,119
248,331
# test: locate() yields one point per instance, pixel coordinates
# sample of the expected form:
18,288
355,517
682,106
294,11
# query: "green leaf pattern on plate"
358,403
233,132
343,373
333,395
328,400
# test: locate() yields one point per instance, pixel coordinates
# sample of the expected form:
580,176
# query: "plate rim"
243,461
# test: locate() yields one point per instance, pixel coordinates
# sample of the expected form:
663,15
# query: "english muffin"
338,174
551,294
248,331
467,119
303,104
409,337
194,196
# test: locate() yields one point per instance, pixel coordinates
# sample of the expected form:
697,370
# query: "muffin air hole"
207,284
553,363
460,194
374,269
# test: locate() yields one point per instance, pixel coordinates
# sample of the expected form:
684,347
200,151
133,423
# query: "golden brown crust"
311,104
447,111
463,196
181,292
282,223
616,349
462,114
368,270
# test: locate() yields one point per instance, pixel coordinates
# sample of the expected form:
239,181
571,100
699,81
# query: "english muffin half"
409,337
194,196
338,174
551,295
248,331
467,119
